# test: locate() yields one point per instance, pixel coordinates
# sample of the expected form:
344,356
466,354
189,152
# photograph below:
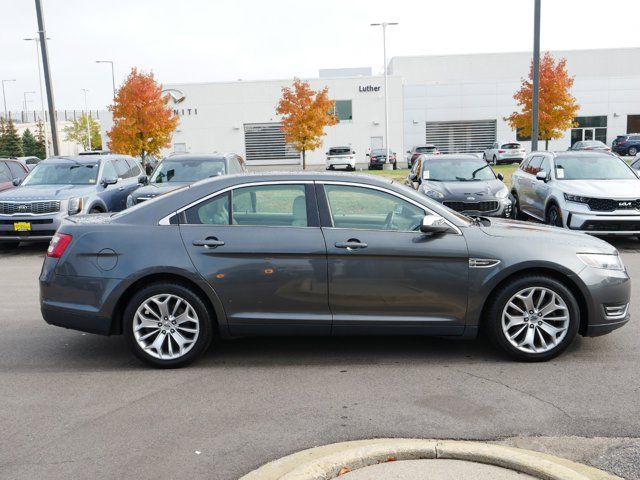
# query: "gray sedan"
324,254
463,183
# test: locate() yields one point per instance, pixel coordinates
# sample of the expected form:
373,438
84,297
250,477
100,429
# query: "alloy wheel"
166,326
535,320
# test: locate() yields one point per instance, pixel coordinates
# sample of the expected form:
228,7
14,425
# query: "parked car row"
61,187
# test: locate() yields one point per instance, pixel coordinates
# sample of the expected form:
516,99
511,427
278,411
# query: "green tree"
77,132
29,143
11,143
41,150
3,134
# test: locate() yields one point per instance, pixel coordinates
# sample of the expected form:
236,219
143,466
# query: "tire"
95,210
516,340
192,306
517,213
494,161
395,165
554,216
6,246
632,151
484,157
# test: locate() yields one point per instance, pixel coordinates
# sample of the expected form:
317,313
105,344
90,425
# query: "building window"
469,136
265,143
633,123
589,128
343,110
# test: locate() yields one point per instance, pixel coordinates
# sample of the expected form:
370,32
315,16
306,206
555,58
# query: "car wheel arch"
210,298
557,274
99,205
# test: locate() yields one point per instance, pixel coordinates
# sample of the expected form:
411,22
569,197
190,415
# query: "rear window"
621,137
425,149
634,137
511,146
339,151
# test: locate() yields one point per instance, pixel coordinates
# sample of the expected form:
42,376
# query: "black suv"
628,144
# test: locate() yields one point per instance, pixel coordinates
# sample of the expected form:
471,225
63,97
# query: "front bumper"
604,224
43,227
504,207
609,294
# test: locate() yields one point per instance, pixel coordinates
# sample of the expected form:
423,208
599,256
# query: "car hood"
540,234
47,192
622,189
479,190
155,189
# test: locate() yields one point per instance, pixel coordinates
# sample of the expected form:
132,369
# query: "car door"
526,193
265,257
540,189
385,276
109,194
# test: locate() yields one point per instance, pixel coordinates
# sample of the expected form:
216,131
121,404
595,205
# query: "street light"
113,76
24,97
4,97
87,119
36,41
384,26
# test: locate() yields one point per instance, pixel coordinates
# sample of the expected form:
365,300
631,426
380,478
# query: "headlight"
129,201
75,205
605,261
503,193
576,198
433,194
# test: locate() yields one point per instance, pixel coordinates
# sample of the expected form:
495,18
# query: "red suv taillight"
58,245
501,151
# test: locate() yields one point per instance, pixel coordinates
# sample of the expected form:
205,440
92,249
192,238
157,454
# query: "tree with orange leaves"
305,114
558,107
143,122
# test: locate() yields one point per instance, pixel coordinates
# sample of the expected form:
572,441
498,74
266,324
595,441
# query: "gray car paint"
315,289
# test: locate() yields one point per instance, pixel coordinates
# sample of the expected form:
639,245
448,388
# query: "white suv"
341,157
509,152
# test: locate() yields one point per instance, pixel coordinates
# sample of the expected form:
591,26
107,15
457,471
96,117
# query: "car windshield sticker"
560,171
425,174
92,180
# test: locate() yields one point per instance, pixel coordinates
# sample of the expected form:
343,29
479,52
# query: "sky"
226,40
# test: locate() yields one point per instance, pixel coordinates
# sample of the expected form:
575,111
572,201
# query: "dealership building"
457,102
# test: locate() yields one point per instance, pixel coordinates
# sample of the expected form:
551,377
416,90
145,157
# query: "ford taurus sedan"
324,254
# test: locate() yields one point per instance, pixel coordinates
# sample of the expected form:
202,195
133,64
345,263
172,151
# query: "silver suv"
589,191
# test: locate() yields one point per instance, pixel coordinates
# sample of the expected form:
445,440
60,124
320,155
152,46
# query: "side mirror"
413,176
542,176
500,176
408,151
367,154
434,224
17,181
109,181
143,179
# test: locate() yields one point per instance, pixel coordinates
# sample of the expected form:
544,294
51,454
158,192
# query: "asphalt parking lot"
76,405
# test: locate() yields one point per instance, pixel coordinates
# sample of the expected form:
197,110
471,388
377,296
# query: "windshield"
425,149
71,173
186,170
603,167
461,170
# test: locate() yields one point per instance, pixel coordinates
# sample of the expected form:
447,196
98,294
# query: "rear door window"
122,168
270,206
534,165
16,170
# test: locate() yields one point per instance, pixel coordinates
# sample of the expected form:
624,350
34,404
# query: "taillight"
501,151
621,142
58,245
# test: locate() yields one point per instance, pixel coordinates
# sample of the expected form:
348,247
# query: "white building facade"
457,102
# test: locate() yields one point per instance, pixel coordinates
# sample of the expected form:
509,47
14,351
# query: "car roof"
203,157
453,156
83,158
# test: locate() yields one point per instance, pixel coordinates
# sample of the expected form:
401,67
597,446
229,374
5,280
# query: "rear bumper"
341,161
509,159
75,318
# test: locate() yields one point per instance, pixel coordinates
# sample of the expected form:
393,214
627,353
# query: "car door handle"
351,244
209,242
120,189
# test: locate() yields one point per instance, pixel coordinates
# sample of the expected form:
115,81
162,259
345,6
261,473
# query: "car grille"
472,206
37,207
608,205
611,226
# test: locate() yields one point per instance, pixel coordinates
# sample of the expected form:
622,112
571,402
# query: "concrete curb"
325,462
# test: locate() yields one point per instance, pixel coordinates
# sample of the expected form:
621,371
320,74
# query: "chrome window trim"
390,192
166,220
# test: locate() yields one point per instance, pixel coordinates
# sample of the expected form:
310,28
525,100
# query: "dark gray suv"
324,254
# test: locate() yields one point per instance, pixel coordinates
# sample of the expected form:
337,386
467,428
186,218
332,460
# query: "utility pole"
384,26
4,97
86,117
113,75
24,98
36,41
536,76
42,35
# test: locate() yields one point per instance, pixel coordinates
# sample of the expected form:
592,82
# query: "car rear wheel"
167,325
494,161
517,213
633,151
554,216
534,318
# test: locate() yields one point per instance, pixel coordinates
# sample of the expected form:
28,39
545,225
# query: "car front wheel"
633,151
534,318
554,216
167,325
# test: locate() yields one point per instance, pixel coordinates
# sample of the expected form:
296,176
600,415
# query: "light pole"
113,76
24,97
42,35
36,41
4,97
384,26
86,116
536,76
